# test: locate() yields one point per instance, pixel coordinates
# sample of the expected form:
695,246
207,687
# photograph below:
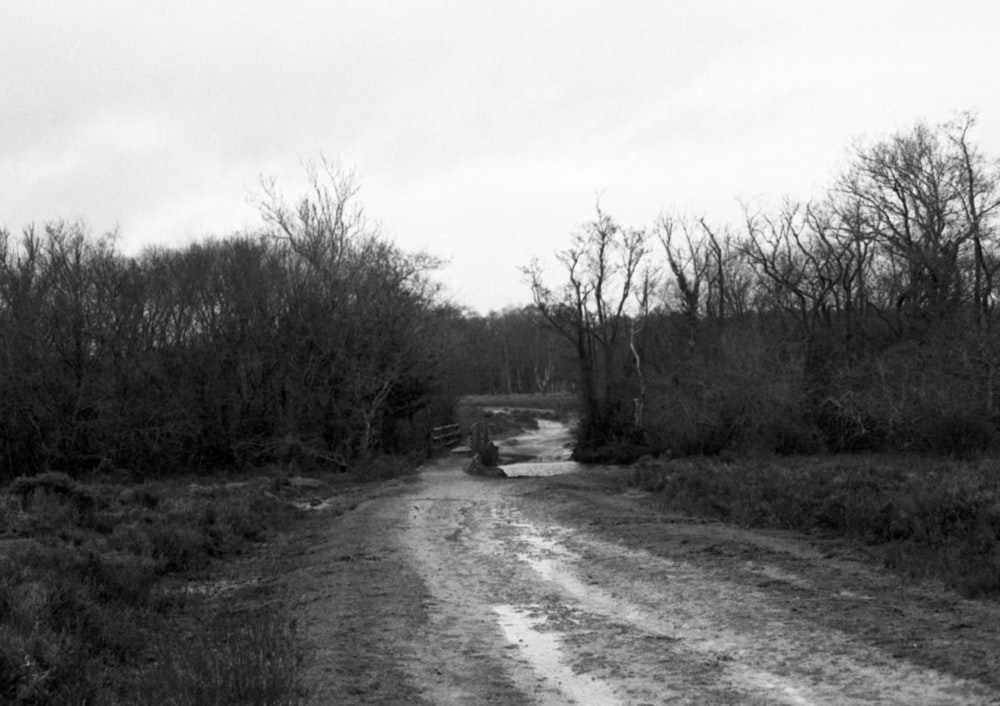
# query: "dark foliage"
864,320
315,333
89,589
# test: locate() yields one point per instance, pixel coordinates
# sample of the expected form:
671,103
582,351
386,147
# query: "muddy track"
451,589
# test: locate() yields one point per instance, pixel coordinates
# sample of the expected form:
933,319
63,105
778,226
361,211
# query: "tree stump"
485,454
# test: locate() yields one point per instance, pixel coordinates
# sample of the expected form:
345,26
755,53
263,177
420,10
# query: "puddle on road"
544,468
829,668
549,560
542,651
529,534
601,602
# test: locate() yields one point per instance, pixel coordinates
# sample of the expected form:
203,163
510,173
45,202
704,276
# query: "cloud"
475,127
187,218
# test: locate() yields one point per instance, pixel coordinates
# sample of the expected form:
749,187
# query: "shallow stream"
544,451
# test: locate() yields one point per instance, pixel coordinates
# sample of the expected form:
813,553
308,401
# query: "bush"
846,427
12,516
76,496
743,393
248,518
914,395
66,613
619,452
961,434
146,496
177,547
383,467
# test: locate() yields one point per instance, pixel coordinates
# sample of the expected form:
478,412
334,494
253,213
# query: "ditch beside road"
445,588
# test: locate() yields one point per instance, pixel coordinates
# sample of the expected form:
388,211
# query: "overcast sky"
482,131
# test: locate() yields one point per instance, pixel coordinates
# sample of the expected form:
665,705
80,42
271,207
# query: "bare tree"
591,310
979,188
646,287
910,192
688,262
360,307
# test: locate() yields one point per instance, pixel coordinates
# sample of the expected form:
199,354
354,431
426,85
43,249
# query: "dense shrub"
76,496
171,360
746,394
850,322
961,433
384,466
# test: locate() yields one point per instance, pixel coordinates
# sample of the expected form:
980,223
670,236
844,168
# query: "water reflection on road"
559,593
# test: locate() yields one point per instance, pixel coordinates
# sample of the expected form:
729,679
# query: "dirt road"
452,589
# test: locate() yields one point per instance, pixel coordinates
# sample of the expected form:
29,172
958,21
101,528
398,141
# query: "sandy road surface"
451,589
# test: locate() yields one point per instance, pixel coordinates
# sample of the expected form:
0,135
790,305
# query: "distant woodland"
314,338
864,319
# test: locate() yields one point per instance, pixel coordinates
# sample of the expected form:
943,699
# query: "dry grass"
250,658
86,615
926,517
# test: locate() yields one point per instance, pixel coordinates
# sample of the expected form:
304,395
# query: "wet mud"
565,589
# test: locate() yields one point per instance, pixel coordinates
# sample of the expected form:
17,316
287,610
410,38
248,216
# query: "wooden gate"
445,436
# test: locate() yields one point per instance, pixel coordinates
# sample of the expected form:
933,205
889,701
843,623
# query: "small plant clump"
87,612
248,657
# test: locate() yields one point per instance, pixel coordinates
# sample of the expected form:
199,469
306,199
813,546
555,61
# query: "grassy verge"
927,518
96,605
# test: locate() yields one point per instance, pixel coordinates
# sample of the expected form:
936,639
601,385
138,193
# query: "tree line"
862,319
314,338
513,351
